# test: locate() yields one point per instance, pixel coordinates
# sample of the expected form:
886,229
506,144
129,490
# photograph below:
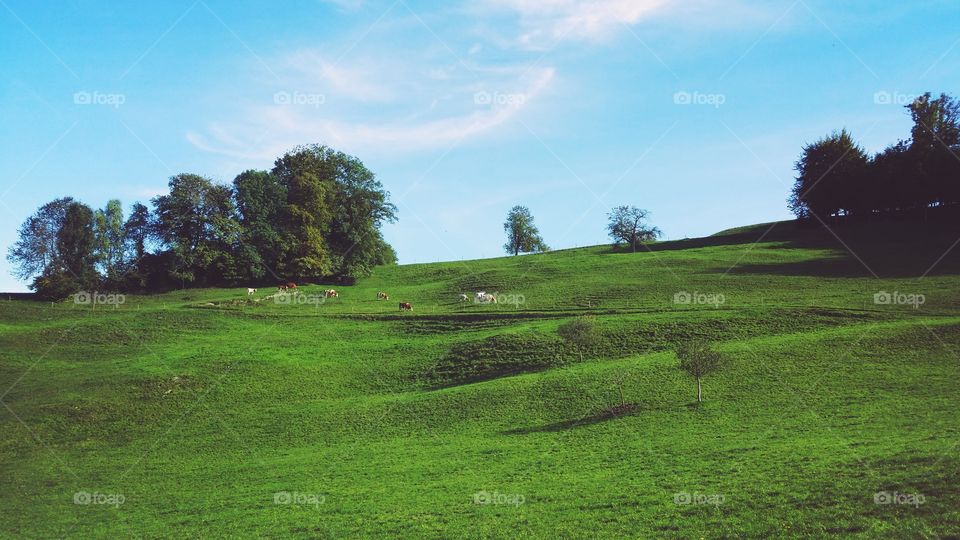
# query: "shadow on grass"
612,413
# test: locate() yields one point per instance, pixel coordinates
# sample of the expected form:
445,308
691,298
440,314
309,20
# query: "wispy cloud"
374,106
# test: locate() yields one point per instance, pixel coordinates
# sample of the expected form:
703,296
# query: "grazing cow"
464,298
405,306
292,285
484,298
330,293
481,295
251,291
383,296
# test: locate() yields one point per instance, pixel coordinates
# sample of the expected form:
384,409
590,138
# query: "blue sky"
693,109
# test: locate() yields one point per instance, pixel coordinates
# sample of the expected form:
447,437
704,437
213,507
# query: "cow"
281,288
484,298
406,306
292,285
330,293
464,298
383,296
481,295
251,291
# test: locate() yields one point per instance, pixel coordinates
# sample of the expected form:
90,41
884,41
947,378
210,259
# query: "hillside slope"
208,413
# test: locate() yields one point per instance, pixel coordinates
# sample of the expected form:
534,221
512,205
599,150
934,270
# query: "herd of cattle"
481,297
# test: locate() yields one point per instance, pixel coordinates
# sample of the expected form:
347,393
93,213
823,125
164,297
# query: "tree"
137,231
109,232
335,209
698,359
36,246
522,234
580,332
74,268
260,204
196,223
627,225
307,214
361,207
934,138
830,181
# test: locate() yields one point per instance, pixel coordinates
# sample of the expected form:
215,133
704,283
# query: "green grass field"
205,413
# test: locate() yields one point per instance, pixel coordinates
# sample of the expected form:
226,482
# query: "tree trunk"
699,391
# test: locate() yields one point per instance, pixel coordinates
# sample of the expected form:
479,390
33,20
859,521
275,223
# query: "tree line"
318,213
837,179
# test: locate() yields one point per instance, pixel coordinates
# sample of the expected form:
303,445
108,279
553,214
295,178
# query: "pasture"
215,413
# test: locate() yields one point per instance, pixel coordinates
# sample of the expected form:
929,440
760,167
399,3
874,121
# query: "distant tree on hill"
628,226
522,234
831,177
581,333
698,359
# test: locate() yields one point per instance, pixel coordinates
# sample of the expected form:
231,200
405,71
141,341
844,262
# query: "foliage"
628,226
698,359
522,235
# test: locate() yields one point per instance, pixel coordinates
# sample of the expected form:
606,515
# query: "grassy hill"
208,413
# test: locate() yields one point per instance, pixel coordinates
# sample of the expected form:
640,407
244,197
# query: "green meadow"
211,413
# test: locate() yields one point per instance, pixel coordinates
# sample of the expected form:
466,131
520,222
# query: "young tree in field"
36,245
581,333
831,178
628,226
698,359
522,234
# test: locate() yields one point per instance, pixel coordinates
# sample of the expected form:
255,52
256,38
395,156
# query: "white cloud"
437,113
550,20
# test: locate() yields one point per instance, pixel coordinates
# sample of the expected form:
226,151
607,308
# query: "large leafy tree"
74,267
628,226
935,137
335,208
196,223
361,207
831,177
36,245
261,201
522,235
